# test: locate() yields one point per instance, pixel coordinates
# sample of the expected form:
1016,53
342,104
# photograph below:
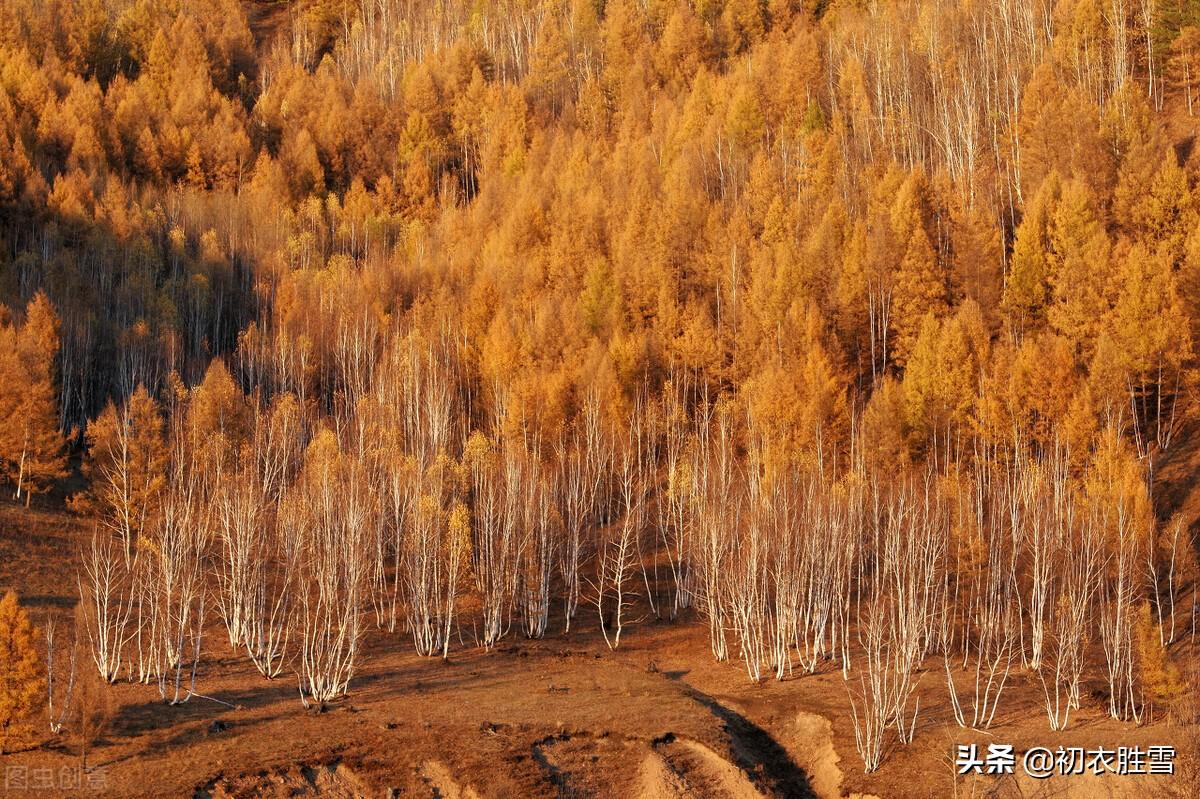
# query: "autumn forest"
852,334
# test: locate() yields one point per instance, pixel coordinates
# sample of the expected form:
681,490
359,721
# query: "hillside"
663,398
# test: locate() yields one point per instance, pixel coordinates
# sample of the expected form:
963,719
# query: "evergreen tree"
921,285
21,678
1027,290
1080,278
124,465
32,447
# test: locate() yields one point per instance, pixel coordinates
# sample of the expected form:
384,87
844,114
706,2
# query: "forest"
853,332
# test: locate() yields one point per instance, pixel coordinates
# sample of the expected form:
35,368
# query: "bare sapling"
104,592
674,521
1071,619
901,572
177,574
822,537
1119,596
255,563
784,575
873,704
241,511
910,560
494,532
1164,561
329,511
717,507
617,547
60,676
582,461
645,430
146,660
1036,537
269,629
746,580
432,558
537,545
93,713
984,584
433,547
392,469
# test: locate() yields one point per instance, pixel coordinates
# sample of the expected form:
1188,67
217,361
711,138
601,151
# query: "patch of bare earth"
678,767
333,781
812,746
443,784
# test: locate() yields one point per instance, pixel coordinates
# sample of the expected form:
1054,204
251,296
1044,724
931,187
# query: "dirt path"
688,769
443,783
756,752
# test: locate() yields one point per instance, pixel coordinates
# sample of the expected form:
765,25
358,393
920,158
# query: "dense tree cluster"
359,305
802,206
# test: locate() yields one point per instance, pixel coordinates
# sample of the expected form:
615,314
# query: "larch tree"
1168,212
1149,329
979,258
1027,289
218,416
1059,129
20,672
32,447
549,69
1041,383
1183,68
920,285
1081,283
941,381
124,466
